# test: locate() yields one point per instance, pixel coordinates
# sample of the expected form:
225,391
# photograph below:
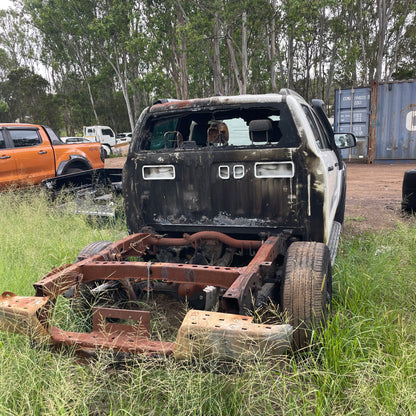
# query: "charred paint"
217,188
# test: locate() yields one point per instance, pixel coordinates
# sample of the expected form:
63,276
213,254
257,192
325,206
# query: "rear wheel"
307,289
73,170
92,249
107,150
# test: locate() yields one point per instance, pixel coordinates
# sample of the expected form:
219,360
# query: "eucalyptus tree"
167,36
18,43
118,37
66,38
27,96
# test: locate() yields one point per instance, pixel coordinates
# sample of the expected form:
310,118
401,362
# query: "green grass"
363,364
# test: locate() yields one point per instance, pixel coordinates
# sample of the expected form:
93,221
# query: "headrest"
260,130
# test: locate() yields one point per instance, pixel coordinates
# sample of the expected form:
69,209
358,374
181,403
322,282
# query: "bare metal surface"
220,335
21,314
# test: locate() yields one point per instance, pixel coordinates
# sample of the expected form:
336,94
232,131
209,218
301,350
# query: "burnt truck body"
262,181
233,204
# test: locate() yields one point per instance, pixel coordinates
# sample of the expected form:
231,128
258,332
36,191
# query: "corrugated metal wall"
383,117
396,121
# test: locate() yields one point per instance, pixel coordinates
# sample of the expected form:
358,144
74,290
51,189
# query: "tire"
409,191
107,150
306,291
92,249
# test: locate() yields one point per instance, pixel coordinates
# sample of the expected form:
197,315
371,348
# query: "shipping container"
383,117
352,114
396,122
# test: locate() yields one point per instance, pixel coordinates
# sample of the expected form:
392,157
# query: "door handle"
330,168
5,157
42,152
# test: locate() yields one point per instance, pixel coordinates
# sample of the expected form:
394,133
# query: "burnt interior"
202,128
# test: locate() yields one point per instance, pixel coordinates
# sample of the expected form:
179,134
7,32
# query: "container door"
396,122
352,115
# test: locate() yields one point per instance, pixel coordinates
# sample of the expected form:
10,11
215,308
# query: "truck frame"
233,204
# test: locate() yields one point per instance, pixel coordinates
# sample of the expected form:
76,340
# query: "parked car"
123,138
30,153
73,139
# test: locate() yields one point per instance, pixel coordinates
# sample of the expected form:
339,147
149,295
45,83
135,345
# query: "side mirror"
345,140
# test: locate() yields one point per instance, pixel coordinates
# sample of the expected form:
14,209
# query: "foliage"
26,98
107,60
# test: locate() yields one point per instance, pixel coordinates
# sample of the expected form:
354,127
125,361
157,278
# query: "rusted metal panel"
372,141
352,112
169,272
23,314
128,330
396,121
131,338
239,295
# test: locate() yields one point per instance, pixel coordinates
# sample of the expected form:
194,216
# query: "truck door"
330,164
32,153
7,163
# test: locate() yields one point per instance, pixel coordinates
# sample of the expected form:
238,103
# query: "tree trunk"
244,59
216,66
362,43
241,77
183,61
290,62
122,78
384,14
271,55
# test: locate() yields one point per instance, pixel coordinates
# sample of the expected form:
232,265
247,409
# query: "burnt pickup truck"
233,205
30,153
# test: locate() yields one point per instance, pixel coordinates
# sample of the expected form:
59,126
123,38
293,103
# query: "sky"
5,4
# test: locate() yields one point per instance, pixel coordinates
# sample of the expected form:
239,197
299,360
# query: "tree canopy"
75,62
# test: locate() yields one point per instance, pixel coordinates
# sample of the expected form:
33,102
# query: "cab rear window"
254,126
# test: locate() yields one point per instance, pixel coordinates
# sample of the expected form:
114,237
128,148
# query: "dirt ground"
374,194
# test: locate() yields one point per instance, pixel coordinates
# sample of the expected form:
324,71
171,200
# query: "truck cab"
30,153
248,166
102,134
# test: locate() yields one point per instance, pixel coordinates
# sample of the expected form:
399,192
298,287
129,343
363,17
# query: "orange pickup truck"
30,153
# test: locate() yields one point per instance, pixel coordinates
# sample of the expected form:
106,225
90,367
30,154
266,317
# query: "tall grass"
363,363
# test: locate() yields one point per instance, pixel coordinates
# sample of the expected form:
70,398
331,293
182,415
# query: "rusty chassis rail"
230,333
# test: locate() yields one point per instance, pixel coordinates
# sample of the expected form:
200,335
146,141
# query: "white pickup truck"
233,204
103,134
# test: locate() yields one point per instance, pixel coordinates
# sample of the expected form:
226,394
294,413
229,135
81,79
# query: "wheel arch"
74,162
